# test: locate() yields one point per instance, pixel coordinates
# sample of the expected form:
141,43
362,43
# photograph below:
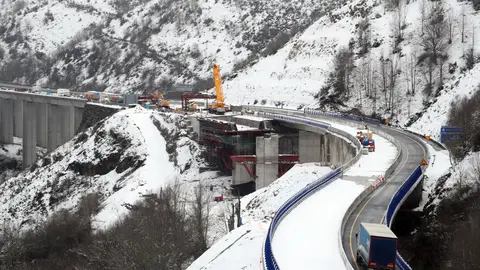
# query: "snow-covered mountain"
135,45
132,153
385,55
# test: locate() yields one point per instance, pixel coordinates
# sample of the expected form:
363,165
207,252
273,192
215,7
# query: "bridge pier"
312,147
42,124
29,133
6,126
54,127
267,160
18,118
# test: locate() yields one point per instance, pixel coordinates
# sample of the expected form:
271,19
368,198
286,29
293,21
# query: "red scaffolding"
188,96
285,162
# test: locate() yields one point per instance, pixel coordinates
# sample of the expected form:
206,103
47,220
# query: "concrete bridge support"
267,160
18,118
312,147
6,125
29,133
42,124
42,121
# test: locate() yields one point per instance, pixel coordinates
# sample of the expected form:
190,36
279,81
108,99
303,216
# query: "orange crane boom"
218,84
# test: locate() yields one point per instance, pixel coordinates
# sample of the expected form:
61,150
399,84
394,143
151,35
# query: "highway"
373,208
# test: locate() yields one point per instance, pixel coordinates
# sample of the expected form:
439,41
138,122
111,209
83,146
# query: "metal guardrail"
397,200
268,256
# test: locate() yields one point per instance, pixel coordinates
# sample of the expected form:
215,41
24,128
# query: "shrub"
158,233
465,113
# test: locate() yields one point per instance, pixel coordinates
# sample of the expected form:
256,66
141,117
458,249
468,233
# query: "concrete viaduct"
40,120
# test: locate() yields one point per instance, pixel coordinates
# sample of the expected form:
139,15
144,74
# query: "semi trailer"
376,247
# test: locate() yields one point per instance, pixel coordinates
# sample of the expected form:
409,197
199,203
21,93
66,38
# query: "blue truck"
376,246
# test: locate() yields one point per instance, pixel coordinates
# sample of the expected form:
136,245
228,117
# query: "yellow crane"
218,107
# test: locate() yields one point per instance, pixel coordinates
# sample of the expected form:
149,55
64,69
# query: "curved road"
372,209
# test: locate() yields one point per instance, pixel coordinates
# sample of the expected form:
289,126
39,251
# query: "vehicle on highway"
376,246
63,92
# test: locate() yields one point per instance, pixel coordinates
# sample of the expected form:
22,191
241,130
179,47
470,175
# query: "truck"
376,246
63,92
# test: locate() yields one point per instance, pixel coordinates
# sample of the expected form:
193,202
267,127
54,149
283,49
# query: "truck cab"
376,247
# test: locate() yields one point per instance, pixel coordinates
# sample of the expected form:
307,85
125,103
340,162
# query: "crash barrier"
268,256
396,202
439,144
406,189
378,182
402,193
356,203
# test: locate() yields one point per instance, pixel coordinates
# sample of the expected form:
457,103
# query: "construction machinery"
162,102
217,107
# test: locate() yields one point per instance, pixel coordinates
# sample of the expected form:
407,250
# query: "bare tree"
435,39
450,26
462,13
364,36
412,72
470,56
398,23
392,81
201,218
423,14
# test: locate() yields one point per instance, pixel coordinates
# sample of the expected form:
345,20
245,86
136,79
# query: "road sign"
424,163
445,129
450,134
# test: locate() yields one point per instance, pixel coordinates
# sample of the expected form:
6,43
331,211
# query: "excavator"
217,107
159,98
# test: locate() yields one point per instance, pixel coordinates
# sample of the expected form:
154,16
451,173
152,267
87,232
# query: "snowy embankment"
308,236
242,247
439,164
132,153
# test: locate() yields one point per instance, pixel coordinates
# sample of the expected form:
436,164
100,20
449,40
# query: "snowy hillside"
132,153
380,48
136,45
258,209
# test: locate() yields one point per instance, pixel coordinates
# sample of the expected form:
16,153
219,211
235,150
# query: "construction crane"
217,107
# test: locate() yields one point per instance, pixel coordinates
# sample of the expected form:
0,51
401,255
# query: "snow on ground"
258,208
465,174
235,251
130,154
300,69
439,165
314,225
66,23
12,150
308,236
437,115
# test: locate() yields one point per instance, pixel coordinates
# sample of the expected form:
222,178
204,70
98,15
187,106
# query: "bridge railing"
400,196
269,259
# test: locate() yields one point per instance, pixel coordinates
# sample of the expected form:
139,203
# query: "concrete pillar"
309,145
54,127
18,118
6,128
77,120
29,110
267,160
68,123
240,175
42,124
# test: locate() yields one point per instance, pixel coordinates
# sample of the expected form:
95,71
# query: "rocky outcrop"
94,113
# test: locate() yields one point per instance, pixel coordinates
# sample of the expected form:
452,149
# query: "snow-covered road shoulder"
308,236
236,252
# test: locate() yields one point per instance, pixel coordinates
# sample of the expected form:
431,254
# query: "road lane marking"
366,203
